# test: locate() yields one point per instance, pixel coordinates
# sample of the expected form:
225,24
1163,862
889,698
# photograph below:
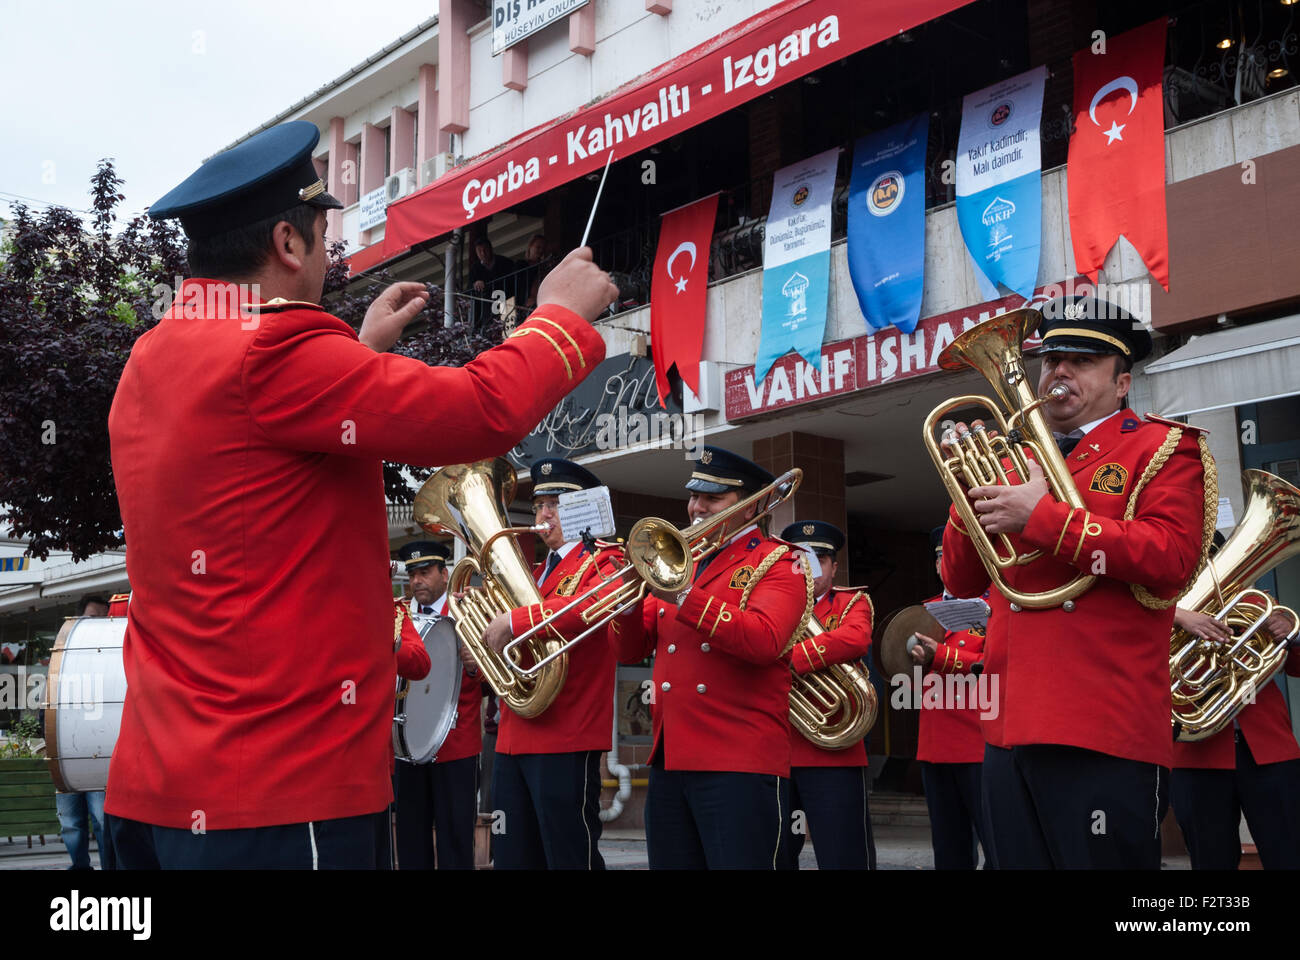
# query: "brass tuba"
468,501
833,707
993,347
1213,680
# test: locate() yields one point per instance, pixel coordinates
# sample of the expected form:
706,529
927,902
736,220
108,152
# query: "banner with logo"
999,180
797,260
887,223
1117,151
679,290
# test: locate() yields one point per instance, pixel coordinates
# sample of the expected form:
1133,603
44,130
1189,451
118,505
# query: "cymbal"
894,656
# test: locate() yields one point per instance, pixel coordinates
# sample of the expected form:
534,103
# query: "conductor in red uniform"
442,792
830,786
1077,764
546,778
950,744
247,446
719,795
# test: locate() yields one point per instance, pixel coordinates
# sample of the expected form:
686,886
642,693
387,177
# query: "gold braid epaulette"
402,614
1141,593
569,585
871,610
767,565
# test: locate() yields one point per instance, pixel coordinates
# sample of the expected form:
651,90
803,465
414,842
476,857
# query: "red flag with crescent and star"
678,292
1116,169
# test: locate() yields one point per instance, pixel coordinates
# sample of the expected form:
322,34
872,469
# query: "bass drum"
83,702
425,712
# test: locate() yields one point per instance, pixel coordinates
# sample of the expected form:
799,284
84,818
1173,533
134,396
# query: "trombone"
659,556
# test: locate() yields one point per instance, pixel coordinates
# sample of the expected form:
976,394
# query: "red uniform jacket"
953,735
847,640
1266,725
1097,677
247,454
466,738
412,661
721,687
582,715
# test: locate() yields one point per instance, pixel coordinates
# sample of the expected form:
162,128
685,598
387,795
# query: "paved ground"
897,848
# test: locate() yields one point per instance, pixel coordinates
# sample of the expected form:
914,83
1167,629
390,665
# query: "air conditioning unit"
399,184
435,167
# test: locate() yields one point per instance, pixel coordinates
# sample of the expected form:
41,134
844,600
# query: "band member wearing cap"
950,744
830,786
1076,768
442,794
720,764
1251,766
546,778
247,435
413,663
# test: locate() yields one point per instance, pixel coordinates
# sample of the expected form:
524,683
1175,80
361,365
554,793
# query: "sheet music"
959,614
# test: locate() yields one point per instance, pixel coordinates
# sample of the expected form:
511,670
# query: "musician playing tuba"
1076,768
546,778
720,765
1251,766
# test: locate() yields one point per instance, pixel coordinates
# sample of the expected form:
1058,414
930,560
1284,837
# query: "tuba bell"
994,348
834,707
468,501
1213,680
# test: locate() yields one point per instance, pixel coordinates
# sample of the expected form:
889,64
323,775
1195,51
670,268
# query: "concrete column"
582,30
372,167
429,138
514,66
821,494
401,145
455,17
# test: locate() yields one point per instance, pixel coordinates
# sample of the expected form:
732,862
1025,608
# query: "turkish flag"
1116,169
678,292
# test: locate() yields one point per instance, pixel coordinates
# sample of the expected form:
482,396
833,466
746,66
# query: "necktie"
426,610
1068,441
699,567
552,561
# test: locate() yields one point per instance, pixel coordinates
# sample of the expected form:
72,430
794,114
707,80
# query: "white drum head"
424,716
84,696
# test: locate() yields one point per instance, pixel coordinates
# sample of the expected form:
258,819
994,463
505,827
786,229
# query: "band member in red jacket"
248,434
441,793
828,788
1251,766
719,795
950,744
546,779
413,663
1076,770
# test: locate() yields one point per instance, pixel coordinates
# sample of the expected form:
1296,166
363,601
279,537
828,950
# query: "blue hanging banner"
999,180
887,223
797,261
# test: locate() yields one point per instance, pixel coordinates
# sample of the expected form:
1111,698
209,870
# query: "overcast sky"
158,86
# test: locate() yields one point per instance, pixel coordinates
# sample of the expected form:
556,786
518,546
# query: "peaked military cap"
718,470
1085,324
421,553
936,539
267,174
823,537
554,476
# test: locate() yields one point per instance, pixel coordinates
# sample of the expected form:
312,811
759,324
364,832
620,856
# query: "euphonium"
993,347
833,707
659,556
1213,680
468,501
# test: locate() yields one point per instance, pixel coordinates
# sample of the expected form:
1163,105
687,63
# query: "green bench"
27,806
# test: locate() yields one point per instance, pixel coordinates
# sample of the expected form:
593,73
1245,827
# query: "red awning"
781,44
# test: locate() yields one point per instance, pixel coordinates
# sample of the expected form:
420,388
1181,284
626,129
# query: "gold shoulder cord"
765,566
569,586
402,614
871,614
1141,593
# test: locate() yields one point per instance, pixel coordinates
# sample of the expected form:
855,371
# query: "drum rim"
51,700
401,743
